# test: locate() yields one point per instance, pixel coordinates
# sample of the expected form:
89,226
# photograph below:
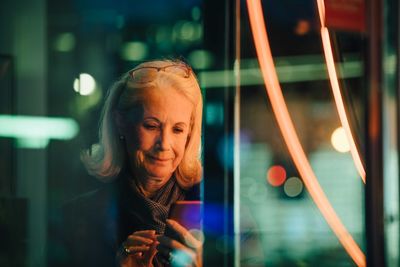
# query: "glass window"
302,170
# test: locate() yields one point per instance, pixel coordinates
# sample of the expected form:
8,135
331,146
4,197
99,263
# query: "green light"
38,128
196,13
289,69
32,143
201,59
65,42
133,51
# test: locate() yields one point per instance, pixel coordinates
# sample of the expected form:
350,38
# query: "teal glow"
37,128
214,114
32,143
196,13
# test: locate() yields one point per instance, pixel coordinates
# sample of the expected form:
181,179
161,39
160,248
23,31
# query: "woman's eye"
178,130
150,126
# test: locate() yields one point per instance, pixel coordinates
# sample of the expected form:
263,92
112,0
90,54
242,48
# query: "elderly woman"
149,149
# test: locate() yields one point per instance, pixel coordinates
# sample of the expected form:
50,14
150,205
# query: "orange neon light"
289,133
330,63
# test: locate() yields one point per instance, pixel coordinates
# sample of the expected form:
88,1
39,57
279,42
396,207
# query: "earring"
121,137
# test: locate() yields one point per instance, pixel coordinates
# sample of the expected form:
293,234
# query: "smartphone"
188,214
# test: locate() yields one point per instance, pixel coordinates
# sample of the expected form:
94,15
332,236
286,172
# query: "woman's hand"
139,249
188,251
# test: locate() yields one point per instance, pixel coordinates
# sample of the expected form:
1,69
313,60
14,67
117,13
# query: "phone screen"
187,213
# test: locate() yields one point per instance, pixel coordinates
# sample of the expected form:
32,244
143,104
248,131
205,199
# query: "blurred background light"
32,143
187,31
290,69
134,51
85,84
64,42
214,113
120,21
81,105
38,128
302,27
339,140
201,59
256,193
196,13
163,35
293,187
276,175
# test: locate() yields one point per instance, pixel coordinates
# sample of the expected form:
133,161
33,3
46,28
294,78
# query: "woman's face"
156,141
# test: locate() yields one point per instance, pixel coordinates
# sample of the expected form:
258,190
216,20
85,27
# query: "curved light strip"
289,134
330,63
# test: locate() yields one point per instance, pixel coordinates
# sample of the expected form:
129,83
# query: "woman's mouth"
160,159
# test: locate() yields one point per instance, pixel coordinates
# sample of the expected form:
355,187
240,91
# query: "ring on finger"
126,250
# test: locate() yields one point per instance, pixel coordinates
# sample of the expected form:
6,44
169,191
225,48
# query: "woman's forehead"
162,103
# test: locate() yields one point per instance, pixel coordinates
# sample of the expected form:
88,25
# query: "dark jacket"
95,224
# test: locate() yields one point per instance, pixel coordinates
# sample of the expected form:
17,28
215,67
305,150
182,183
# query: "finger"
152,251
139,240
172,250
133,249
145,233
184,234
170,243
138,255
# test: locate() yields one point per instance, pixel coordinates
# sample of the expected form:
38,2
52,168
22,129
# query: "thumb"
149,256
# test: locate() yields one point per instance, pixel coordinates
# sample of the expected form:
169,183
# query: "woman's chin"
159,175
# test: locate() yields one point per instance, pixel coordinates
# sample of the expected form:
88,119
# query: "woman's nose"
164,140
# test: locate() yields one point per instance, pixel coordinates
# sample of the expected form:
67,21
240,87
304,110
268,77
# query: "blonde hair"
106,159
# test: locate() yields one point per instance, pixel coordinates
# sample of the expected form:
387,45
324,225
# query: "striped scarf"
151,213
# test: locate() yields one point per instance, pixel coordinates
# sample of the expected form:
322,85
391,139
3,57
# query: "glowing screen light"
85,84
339,140
276,175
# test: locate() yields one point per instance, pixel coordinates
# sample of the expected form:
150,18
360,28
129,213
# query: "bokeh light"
85,84
276,175
293,187
64,42
302,27
187,31
214,113
201,59
339,140
196,13
134,51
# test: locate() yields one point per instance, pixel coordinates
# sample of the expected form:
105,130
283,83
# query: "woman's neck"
149,186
